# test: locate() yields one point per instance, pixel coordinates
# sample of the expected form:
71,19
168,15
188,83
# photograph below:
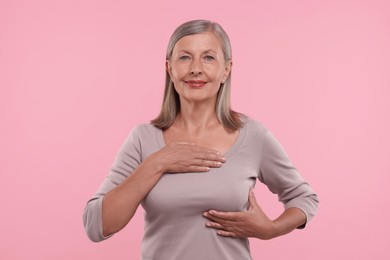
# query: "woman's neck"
194,118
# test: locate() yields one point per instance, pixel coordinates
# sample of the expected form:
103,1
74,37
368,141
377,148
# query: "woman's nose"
195,68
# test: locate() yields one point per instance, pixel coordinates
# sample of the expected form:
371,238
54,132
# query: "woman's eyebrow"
210,51
189,52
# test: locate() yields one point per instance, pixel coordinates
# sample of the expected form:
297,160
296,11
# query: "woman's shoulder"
253,125
145,130
144,135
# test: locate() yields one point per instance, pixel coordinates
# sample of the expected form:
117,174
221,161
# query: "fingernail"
208,224
205,214
223,158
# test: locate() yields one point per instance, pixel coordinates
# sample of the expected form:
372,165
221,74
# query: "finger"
208,163
210,156
231,216
222,222
219,227
198,168
208,151
226,233
225,223
215,225
203,153
252,200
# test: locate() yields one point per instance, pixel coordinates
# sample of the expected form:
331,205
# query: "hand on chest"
224,189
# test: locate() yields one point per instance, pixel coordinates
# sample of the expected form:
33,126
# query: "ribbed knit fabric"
174,225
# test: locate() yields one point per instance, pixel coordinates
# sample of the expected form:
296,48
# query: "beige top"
174,225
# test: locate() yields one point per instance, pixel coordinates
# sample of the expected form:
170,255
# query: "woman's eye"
184,57
209,58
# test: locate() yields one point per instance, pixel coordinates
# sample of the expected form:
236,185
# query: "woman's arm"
121,203
254,222
282,178
130,180
291,218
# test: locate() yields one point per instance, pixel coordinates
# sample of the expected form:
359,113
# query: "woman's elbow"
92,225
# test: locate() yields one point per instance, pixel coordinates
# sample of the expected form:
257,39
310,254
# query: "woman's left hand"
251,223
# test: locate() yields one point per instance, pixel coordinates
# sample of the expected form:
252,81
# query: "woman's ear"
228,69
168,67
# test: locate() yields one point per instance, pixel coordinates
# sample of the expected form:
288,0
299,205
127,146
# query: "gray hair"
230,119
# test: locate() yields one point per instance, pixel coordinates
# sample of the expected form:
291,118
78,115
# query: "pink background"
76,76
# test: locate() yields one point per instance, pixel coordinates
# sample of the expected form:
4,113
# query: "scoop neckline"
228,154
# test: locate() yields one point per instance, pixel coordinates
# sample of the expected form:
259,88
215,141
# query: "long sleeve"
283,179
127,159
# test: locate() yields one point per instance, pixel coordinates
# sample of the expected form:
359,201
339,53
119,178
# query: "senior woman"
193,167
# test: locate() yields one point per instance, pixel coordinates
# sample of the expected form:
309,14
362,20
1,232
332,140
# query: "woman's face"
197,67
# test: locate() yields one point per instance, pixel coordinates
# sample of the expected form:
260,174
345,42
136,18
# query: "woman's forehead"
205,42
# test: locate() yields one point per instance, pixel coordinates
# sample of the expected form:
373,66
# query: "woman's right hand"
187,157
120,204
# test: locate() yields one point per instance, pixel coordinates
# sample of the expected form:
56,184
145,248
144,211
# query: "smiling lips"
195,83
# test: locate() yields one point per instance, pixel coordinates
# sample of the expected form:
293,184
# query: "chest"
190,194
218,140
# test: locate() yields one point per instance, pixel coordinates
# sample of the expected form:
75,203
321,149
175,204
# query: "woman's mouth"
195,83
